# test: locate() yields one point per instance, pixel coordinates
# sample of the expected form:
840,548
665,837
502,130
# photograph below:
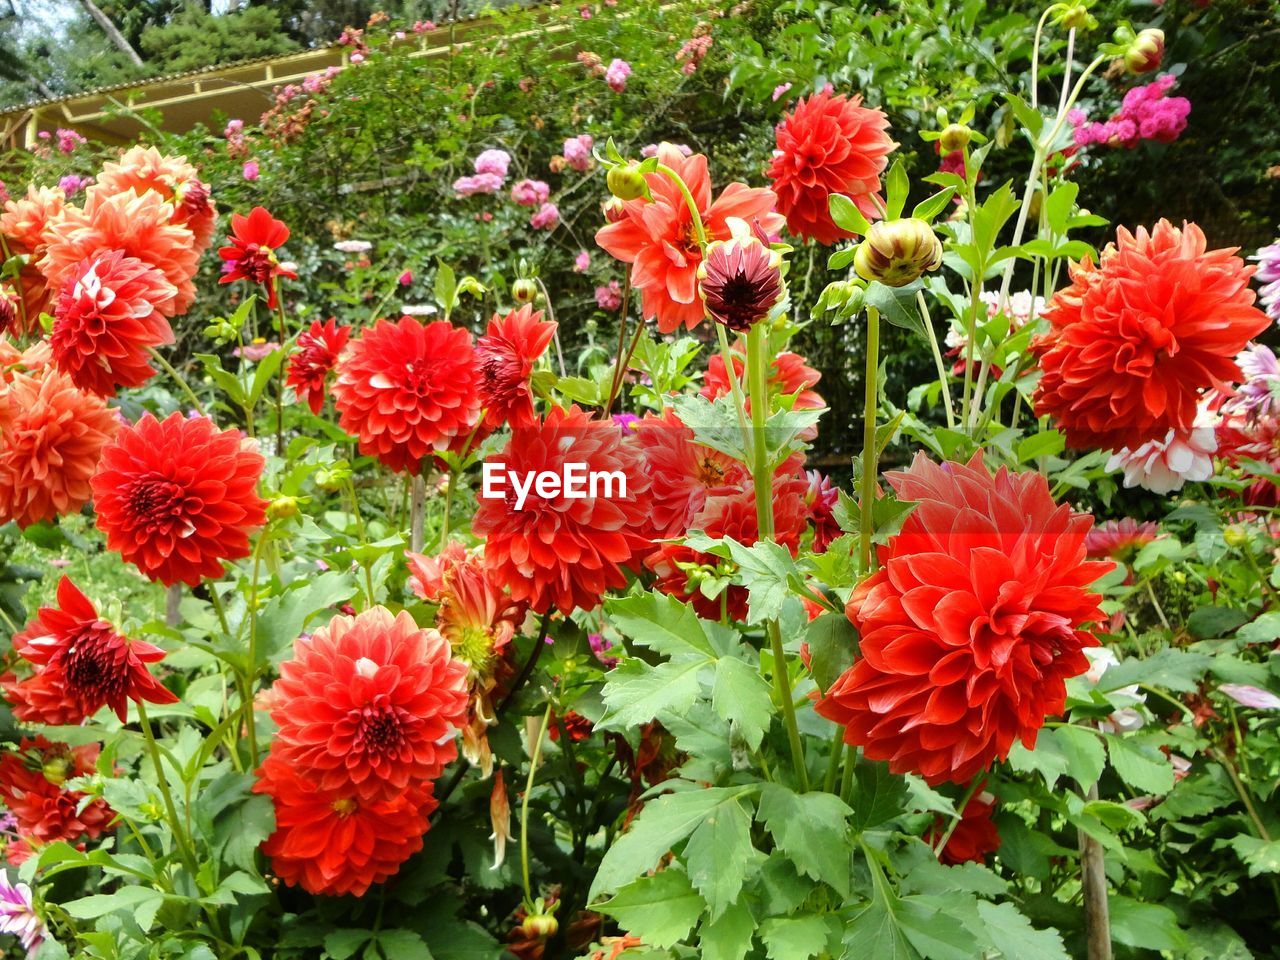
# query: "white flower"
1124,719
18,915
1163,466
418,309
353,246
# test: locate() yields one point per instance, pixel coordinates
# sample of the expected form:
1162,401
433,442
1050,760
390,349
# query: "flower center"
90,669
344,806
160,504
257,263
379,728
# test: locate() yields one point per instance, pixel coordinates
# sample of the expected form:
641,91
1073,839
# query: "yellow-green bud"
897,252
1145,52
1077,18
524,290
282,507
955,137
55,769
1235,536
541,926
626,182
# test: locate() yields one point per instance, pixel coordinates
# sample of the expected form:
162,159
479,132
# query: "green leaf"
637,693
661,909
1083,751
1172,669
1211,622
284,616
660,622
717,856
933,927
1140,764
1146,926
133,899
1028,116
896,188
238,834
846,215
897,305
1058,205
1260,856
1010,932
445,287
795,938
1046,443
832,641
263,371
403,945
812,829
341,944
880,795
1263,630
662,824
729,937
934,205
742,696
874,933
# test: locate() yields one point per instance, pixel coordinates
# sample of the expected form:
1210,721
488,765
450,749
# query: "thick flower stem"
868,485
179,834
178,379
251,668
534,758
417,500
1093,883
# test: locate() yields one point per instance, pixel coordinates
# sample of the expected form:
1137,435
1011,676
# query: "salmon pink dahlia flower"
828,144
250,253
971,626
37,699
106,320
51,437
331,841
178,497
138,226
1134,340
84,655
657,237
318,349
683,473
408,390
23,224
368,705
143,168
559,551
506,354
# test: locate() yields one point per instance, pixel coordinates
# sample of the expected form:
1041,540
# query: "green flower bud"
897,252
282,507
626,182
1235,536
524,290
955,137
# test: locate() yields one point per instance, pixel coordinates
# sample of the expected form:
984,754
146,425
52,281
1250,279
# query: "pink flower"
1146,113
610,297
422,26
651,149
481,183
530,193
250,170
584,12
493,162
577,152
73,183
357,58
255,351
547,217
1248,696
1163,466
616,75
406,278
582,262
779,90
68,140
233,129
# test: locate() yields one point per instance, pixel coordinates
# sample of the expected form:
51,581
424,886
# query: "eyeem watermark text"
575,482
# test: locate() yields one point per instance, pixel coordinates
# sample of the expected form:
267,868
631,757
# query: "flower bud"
55,769
626,182
840,301
614,210
1077,18
540,926
897,252
740,281
954,137
524,290
282,508
1235,536
1145,52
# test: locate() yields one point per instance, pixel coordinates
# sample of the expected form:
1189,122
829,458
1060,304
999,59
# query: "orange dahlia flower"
506,354
657,236
105,321
31,786
317,353
408,390
789,376
829,144
142,168
23,225
51,437
369,704
178,497
85,656
331,841
971,626
560,551
36,699
1134,340
137,225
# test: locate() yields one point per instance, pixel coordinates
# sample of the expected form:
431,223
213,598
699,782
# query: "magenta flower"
481,183
610,297
616,75
1248,696
495,162
1268,259
1146,113
18,915
73,183
406,278
779,90
530,193
250,170
577,152
582,262
547,217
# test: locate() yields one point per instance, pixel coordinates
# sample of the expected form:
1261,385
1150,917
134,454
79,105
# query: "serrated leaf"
1265,629
1141,765
933,927
637,693
812,829
1010,932
1046,443
880,795
832,641
897,305
742,696
660,622
1147,926
1178,670
403,945
661,909
875,933
728,937
284,616
717,855
343,943
794,938
1260,856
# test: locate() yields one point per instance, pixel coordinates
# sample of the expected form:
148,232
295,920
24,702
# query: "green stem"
280,376
868,490
833,761
534,759
251,668
964,803
178,379
179,834
937,360
846,777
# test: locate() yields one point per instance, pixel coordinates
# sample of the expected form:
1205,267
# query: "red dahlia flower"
368,705
251,253
319,347
51,436
331,841
971,626
178,497
789,376
87,658
1134,340
657,237
559,551
106,319
144,168
31,786
141,227
683,472
506,354
974,837
828,144
408,390
37,699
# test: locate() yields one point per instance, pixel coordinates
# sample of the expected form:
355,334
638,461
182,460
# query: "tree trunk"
113,33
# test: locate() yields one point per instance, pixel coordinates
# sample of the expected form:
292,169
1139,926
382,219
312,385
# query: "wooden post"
1093,880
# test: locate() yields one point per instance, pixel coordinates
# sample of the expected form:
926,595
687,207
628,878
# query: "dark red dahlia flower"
31,786
319,347
561,551
828,144
251,251
1136,339
331,841
408,390
85,656
506,354
821,499
740,281
177,498
105,321
974,838
971,626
